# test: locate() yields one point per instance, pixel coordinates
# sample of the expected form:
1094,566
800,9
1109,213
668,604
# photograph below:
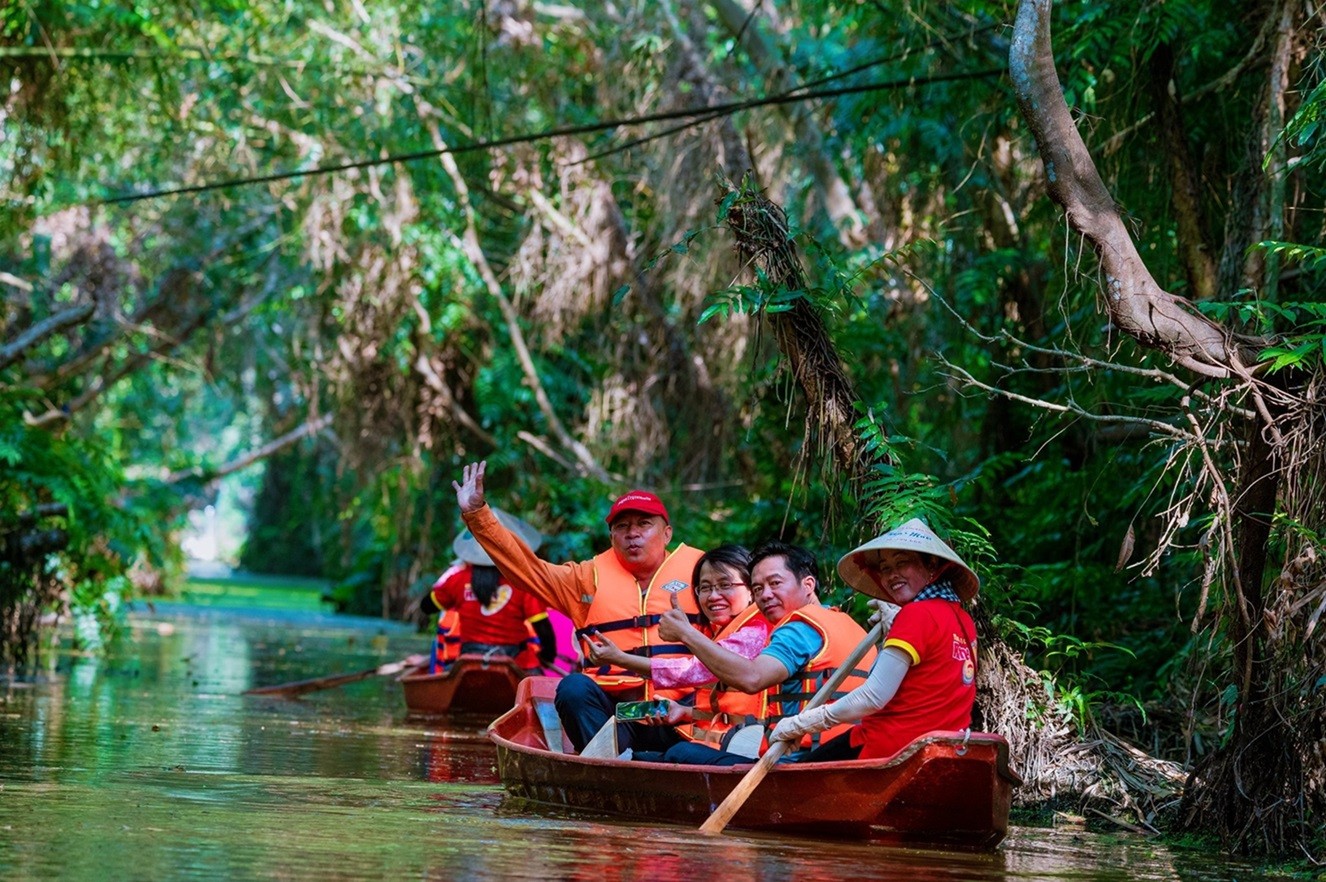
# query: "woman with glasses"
731,619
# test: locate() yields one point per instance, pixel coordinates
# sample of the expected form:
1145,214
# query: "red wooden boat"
472,684
945,788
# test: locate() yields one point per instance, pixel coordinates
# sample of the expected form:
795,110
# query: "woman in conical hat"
492,617
925,678
858,569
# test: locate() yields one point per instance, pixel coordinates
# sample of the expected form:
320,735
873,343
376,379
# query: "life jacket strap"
645,621
659,649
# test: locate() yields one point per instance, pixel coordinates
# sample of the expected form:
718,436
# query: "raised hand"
469,492
674,624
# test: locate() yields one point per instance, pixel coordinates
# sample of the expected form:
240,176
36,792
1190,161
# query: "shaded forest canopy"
1095,366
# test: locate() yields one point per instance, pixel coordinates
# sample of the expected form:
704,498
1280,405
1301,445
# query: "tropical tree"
1251,452
790,264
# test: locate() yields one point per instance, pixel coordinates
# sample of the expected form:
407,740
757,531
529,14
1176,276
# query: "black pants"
584,707
693,754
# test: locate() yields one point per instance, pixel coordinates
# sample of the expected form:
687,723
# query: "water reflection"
151,764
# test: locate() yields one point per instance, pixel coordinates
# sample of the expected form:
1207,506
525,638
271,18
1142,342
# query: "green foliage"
73,476
289,538
1309,256
97,610
1069,664
354,294
1305,129
1299,328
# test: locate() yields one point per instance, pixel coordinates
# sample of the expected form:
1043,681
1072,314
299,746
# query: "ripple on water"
151,764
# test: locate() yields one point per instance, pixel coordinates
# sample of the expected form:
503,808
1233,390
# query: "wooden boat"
946,788
473,684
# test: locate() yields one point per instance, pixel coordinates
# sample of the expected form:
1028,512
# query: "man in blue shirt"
784,579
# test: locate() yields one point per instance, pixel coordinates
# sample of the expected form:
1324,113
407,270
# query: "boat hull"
943,789
472,685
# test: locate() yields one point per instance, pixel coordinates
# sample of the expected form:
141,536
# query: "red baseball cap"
638,500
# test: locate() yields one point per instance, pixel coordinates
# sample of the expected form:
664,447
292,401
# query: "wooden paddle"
300,687
737,798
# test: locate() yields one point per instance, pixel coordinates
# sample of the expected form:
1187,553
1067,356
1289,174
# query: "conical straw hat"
468,549
911,536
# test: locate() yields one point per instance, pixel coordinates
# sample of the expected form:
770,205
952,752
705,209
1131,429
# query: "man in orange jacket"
619,595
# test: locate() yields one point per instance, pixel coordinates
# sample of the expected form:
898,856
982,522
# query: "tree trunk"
1194,250
1137,304
1265,788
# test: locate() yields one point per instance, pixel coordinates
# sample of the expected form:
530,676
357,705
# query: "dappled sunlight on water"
151,764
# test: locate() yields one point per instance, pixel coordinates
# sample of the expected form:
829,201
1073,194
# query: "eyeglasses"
704,589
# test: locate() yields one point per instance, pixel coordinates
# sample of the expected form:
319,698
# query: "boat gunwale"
417,675
524,706
429,696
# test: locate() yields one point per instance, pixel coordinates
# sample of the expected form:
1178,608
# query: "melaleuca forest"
1045,275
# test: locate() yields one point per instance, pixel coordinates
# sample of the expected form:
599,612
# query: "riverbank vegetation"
802,267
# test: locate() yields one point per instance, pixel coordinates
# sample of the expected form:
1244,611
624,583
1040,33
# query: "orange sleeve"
567,587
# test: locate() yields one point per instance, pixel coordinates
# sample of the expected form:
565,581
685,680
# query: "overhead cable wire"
558,132
795,90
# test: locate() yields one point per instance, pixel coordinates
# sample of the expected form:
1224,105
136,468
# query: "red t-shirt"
940,686
501,621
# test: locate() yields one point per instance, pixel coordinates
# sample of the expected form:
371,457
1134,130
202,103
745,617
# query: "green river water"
151,764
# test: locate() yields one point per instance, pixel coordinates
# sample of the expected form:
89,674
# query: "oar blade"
604,743
728,808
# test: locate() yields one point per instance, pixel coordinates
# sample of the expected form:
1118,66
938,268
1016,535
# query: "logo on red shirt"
962,653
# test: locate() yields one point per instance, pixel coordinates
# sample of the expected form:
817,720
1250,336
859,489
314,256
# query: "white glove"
792,728
883,611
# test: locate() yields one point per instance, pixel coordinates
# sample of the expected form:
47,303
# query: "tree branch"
15,282
543,447
34,335
100,383
1086,362
424,366
1071,407
276,445
1136,303
470,244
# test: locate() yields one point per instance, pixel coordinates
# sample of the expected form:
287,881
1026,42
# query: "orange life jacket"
446,648
628,616
841,635
720,708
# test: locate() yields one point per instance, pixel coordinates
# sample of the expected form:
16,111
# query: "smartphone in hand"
630,711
